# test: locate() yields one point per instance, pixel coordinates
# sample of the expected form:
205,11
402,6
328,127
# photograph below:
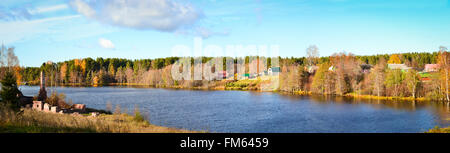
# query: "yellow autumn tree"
83,66
77,62
444,63
63,72
18,75
394,59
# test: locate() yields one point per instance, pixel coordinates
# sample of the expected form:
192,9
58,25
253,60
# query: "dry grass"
385,98
30,121
439,130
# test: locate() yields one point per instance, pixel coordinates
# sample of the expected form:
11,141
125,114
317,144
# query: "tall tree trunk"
446,81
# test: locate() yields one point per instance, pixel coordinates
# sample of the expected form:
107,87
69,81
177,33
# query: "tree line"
344,73
339,74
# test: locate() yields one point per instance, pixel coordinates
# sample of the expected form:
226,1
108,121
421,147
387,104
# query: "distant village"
424,73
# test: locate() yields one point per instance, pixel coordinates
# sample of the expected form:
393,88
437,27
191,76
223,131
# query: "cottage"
331,68
274,71
431,68
402,67
425,76
365,68
221,75
312,69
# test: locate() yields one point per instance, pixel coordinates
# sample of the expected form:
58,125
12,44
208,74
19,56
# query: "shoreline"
222,88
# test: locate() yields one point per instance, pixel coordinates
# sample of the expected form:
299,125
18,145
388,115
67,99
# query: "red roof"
431,66
425,79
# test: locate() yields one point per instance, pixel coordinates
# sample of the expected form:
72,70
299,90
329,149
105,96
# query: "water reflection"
441,109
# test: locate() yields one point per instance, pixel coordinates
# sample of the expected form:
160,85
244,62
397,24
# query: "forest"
339,74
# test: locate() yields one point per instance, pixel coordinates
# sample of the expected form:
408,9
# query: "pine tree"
9,91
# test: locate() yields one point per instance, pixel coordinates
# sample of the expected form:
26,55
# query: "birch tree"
443,61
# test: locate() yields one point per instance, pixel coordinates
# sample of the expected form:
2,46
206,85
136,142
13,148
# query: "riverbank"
30,121
439,130
253,85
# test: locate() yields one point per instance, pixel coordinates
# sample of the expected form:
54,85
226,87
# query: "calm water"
243,111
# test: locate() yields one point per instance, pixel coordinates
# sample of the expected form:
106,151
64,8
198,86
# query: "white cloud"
162,15
22,30
48,9
105,43
83,8
25,12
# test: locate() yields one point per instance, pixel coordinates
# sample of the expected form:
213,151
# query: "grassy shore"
30,121
439,130
371,97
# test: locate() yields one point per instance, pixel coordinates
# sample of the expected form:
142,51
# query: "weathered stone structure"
95,114
75,110
46,107
37,105
80,107
42,92
40,104
54,109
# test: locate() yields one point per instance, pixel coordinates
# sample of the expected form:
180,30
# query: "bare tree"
312,53
129,74
12,58
377,76
2,55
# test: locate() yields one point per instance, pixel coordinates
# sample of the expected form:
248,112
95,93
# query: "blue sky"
59,30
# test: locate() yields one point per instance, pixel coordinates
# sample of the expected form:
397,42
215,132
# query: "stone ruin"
37,105
40,105
81,107
45,107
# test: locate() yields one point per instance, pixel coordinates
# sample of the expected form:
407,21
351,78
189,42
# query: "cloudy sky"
59,30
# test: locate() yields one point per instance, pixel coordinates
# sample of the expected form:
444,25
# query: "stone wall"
45,107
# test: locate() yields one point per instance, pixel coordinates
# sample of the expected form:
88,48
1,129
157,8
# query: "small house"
274,71
402,67
431,68
312,69
222,75
425,76
331,68
365,68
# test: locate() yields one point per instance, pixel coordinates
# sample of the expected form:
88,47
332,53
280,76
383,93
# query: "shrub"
56,99
137,115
